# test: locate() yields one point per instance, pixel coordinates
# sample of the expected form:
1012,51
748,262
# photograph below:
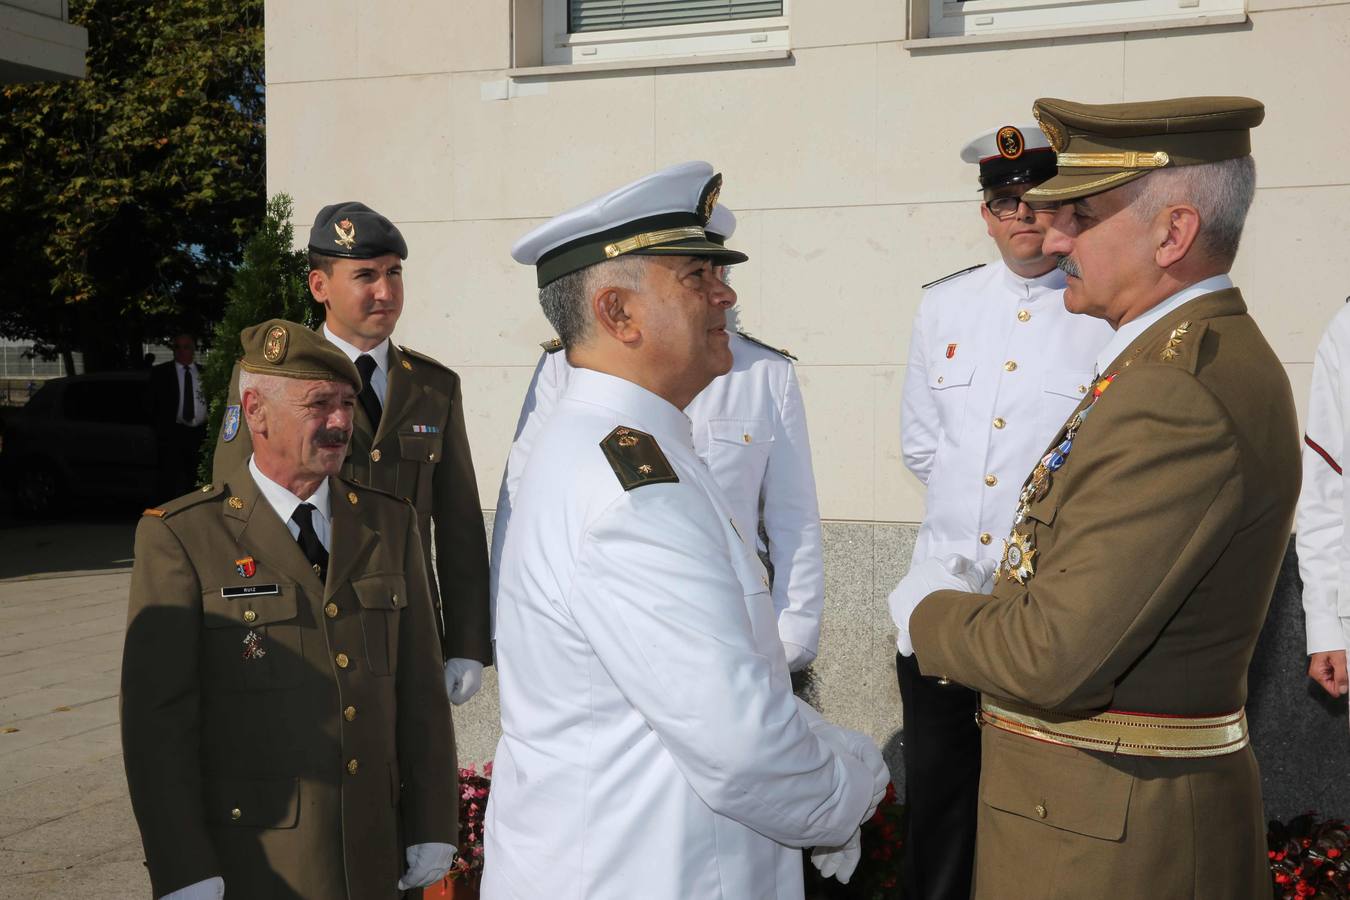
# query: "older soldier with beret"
285,727
408,436
1112,654
651,745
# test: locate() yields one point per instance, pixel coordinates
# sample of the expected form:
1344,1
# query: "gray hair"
1220,191
567,301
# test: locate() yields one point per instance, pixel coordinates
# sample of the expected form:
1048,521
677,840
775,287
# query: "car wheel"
39,489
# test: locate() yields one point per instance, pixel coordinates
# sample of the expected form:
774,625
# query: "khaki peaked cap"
1102,146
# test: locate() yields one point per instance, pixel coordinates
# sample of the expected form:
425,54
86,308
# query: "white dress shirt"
749,426
1323,503
996,364
198,401
651,746
284,502
379,379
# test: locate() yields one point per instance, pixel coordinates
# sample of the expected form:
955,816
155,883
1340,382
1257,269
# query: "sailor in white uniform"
996,364
651,746
749,426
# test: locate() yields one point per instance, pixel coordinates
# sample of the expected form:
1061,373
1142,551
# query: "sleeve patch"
636,458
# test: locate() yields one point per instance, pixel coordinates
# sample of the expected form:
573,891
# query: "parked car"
85,437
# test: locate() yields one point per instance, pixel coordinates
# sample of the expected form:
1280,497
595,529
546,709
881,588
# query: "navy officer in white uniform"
750,428
651,745
996,364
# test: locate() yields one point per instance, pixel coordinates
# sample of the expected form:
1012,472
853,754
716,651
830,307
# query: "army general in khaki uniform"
1112,655
285,727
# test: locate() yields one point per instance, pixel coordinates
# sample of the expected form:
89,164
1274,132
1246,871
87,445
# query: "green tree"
271,283
126,197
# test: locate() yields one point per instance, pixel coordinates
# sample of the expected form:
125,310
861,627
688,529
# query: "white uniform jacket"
1321,539
750,428
651,746
996,365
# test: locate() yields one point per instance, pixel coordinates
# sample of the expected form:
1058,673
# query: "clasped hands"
950,573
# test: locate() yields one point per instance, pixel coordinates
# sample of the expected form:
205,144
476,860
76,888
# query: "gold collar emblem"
346,233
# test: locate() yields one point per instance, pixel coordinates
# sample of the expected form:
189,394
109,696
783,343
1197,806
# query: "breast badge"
1019,558
253,646
246,567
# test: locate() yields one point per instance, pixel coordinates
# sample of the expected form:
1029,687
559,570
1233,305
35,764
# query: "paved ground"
66,828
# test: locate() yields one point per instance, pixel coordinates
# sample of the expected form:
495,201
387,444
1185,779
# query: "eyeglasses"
1007,207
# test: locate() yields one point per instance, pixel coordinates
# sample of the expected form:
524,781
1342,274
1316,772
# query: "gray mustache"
1069,267
331,436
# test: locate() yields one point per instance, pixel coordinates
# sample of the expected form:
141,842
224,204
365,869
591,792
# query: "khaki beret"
1102,146
279,347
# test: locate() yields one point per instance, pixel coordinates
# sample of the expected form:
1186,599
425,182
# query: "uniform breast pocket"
949,382
1061,392
382,599
253,642
738,453
418,456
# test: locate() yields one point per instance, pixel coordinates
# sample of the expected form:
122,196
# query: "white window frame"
972,19
695,39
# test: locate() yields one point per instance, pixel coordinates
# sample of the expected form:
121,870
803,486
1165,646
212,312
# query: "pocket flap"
421,447
249,610
381,592
1044,509
1067,384
253,802
948,373
740,431
1061,787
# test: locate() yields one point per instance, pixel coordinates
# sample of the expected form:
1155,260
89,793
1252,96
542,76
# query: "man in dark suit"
178,412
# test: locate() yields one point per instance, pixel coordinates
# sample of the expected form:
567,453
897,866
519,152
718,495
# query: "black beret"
355,231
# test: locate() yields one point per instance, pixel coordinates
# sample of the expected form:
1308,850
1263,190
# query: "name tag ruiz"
250,590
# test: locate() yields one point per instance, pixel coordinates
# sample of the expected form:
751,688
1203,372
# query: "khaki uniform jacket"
432,469
1158,544
307,770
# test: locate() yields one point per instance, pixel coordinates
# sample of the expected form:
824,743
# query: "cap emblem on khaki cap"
274,345
284,348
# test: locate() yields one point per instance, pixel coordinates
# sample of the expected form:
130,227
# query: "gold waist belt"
1126,733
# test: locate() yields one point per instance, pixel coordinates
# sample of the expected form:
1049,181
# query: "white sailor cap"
666,213
1011,154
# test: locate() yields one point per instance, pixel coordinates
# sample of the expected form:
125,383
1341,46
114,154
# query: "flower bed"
461,882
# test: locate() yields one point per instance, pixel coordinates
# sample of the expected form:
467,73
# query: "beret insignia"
274,345
1010,142
636,458
346,234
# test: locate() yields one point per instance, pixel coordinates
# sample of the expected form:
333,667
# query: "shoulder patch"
953,275
187,501
779,350
229,425
422,357
636,458
552,346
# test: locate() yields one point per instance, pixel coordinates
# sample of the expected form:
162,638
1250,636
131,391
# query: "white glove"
855,744
954,573
210,889
427,864
463,678
798,657
839,861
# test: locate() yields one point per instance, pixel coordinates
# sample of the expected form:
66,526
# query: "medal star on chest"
1019,558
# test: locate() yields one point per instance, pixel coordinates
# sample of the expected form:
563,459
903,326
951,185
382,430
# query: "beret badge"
346,234
274,345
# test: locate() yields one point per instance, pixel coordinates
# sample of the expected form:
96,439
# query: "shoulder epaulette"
187,501
779,350
1182,347
351,485
552,346
422,357
636,458
953,275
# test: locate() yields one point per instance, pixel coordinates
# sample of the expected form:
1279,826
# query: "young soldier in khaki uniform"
284,724
1112,655
409,436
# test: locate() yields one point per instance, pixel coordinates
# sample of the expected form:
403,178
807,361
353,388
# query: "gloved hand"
798,657
463,678
210,889
855,744
427,864
954,573
839,861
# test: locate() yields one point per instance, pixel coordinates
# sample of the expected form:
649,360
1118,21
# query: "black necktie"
309,539
189,407
369,402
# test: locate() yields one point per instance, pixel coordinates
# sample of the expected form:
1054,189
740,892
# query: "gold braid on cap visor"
1130,159
652,239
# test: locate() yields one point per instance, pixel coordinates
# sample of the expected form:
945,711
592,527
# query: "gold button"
1082,389
236,813
1041,811
349,713
330,610
250,616
1010,366
352,766
375,455
746,437
999,423
342,660
431,457
986,538
991,480
1023,315
939,379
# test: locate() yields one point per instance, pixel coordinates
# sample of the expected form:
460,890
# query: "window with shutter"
972,18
